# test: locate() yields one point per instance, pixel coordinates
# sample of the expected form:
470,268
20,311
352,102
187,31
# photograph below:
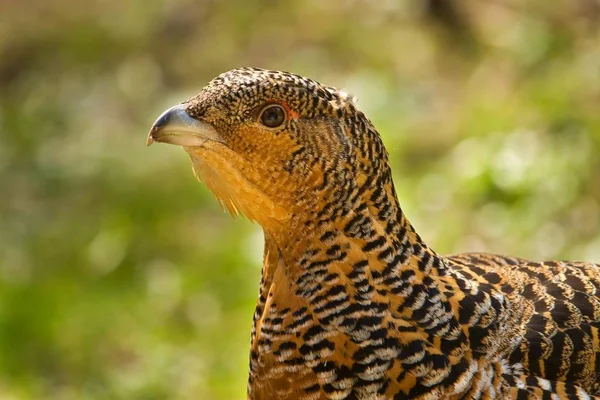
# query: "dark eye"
272,116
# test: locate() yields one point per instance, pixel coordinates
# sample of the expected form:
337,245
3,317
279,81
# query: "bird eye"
272,116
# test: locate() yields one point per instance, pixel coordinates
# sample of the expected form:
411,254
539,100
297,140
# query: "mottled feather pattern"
353,304
560,339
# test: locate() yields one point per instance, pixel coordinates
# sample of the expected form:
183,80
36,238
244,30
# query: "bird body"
352,303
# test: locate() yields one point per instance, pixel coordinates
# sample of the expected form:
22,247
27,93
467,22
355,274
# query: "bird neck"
345,279
353,218
362,243
350,267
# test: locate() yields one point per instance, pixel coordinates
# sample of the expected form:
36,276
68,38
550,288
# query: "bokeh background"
120,277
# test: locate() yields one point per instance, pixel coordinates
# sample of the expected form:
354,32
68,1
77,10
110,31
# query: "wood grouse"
353,304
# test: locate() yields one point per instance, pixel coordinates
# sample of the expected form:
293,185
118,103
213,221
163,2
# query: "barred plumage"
353,304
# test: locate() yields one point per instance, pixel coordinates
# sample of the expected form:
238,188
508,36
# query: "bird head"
271,145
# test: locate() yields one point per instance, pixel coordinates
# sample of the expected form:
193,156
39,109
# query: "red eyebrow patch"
292,113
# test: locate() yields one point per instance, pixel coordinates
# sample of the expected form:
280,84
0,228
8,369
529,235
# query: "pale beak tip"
150,139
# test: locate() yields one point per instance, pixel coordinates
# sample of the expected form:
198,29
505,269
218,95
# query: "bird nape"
353,304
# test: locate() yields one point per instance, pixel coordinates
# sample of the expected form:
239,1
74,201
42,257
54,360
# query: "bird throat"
234,192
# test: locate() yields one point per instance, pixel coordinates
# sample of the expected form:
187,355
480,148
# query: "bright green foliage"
120,278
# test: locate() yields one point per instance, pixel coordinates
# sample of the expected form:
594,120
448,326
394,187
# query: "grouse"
353,304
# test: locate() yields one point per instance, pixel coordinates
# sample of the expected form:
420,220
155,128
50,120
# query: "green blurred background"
120,277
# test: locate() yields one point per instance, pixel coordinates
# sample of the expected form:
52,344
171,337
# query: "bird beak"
176,126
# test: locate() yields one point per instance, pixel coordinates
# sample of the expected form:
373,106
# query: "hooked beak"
176,126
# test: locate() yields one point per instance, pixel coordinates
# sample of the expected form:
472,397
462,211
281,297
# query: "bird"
352,303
